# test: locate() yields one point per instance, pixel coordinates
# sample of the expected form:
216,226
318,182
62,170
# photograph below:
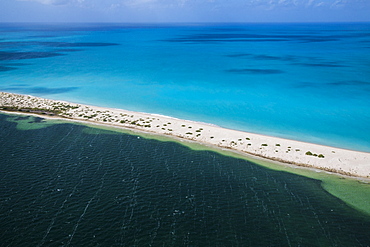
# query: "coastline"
296,153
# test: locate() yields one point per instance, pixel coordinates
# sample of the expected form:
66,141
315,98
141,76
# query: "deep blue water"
70,185
309,82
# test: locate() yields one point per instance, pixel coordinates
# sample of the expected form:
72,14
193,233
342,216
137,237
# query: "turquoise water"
309,82
70,185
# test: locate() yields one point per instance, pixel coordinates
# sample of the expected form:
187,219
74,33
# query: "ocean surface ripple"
71,185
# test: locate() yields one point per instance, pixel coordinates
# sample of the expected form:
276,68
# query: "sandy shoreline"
346,162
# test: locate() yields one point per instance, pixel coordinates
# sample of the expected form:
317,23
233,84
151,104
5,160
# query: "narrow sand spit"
326,158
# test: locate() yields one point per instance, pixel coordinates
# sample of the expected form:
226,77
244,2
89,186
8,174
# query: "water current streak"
74,186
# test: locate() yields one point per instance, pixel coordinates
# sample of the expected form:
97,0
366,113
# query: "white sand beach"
341,161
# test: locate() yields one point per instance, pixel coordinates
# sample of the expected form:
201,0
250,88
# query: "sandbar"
331,159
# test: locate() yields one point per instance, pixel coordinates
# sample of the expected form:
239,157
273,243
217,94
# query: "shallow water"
308,82
70,185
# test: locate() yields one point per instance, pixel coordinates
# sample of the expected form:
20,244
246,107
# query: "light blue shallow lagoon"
309,82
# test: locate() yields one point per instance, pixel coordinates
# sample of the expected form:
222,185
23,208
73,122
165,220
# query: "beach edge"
292,152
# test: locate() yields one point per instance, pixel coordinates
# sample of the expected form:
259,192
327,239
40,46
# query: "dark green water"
65,186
